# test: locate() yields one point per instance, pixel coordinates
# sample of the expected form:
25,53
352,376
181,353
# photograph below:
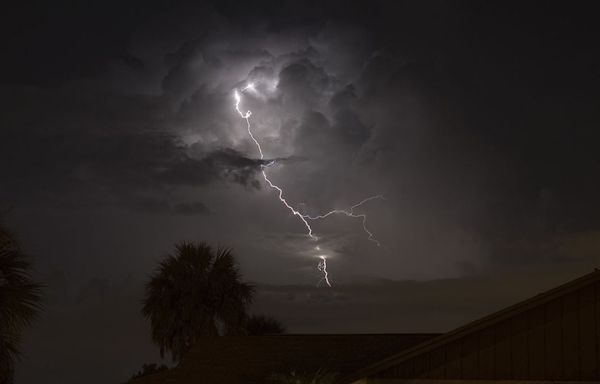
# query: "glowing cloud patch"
322,265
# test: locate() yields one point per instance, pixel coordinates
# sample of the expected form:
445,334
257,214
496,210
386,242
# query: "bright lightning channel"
246,116
322,266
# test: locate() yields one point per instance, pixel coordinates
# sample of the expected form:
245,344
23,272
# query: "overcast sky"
119,137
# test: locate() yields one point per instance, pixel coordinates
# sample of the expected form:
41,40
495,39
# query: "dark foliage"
195,292
319,377
150,369
19,301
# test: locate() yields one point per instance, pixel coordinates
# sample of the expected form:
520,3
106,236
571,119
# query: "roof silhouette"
475,326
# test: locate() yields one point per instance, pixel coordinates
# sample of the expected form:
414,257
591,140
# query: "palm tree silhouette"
195,292
19,302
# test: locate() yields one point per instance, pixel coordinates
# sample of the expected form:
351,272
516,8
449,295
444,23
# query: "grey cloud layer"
470,174
477,121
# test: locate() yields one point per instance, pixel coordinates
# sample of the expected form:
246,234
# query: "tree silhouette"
195,292
19,301
150,369
263,325
319,377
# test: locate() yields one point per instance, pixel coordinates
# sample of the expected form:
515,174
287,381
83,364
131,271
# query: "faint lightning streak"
323,268
350,213
246,116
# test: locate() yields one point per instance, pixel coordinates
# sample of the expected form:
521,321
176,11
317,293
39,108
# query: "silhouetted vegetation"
263,325
195,292
293,377
19,301
150,369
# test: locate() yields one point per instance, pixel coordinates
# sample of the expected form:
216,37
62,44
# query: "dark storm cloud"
442,122
78,146
225,164
192,65
127,166
477,121
351,130
302,82
485,130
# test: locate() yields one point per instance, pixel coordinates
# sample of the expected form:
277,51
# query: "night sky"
478,122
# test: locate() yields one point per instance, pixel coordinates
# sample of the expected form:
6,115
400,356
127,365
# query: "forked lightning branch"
304,218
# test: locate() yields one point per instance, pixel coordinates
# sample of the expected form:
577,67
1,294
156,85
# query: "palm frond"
20,300
196,291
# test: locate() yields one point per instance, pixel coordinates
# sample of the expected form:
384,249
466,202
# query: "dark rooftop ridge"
474,326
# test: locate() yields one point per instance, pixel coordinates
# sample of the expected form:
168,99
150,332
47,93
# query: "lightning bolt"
350,213
246,116
322,266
